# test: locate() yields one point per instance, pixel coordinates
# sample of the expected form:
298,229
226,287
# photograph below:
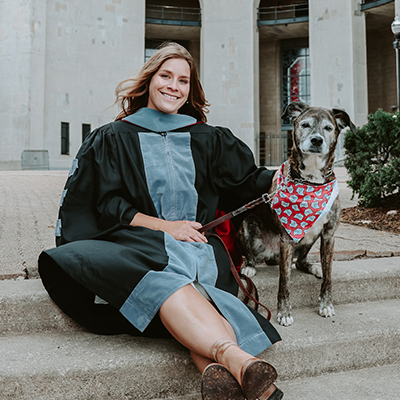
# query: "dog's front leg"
325,299
284,316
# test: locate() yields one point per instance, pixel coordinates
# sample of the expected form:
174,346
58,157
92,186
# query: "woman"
128,230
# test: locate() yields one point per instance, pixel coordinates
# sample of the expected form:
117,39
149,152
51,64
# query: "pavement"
29,207
44,355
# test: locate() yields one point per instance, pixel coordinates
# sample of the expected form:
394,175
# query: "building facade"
60,61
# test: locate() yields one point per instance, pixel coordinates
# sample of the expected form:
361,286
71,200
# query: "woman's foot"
258,379
255,376
219,384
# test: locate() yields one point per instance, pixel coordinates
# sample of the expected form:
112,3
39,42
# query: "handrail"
158,12
298,11
367,4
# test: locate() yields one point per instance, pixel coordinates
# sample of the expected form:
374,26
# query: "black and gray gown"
112,277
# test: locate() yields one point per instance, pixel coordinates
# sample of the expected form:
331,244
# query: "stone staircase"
354,355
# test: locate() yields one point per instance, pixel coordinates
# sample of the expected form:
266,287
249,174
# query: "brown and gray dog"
263,237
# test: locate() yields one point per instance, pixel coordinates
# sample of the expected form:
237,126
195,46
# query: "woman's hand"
186,231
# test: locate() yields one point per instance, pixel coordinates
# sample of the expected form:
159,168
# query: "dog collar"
300,205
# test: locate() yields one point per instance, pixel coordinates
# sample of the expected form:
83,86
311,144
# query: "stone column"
229,65
22,79
338,58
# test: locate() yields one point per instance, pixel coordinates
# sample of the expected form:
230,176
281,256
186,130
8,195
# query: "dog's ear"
293,110
343,119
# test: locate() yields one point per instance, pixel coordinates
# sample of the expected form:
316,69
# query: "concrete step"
26,307
376,383
370,279
79,365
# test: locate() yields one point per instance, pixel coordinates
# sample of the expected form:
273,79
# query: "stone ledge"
26,307
80,365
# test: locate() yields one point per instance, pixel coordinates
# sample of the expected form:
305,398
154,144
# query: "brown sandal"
219,384
257,375
258,379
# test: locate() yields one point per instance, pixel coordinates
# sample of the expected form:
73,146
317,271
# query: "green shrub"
373,158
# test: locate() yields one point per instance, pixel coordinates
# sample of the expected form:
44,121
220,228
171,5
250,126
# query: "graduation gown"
112,277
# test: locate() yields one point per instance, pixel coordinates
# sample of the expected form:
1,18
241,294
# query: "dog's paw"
315,269
248,271
308,268
285,319
326,310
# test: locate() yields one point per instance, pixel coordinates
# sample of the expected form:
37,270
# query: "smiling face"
169,87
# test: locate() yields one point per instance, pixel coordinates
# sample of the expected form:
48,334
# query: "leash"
265,198
251,287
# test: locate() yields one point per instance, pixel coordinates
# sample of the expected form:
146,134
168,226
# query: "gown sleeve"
112,203
95,201
237,177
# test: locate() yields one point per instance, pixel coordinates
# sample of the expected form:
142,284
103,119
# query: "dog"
264,237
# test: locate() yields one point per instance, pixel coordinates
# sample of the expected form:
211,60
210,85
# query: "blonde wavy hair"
133,93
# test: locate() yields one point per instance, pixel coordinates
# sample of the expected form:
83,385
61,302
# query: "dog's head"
315,134
316,129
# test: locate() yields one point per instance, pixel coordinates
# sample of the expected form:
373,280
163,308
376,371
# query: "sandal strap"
219,347
268,393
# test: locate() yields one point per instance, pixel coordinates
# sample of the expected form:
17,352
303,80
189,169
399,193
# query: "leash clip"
266,198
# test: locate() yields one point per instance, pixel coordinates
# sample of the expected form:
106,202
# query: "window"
65,138
295,87
85,131
295,76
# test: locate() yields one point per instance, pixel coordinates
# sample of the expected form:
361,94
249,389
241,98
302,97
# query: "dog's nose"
316,141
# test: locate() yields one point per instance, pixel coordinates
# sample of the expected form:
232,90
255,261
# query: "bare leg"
195,323
201,361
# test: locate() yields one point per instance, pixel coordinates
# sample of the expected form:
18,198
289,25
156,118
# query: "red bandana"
300,205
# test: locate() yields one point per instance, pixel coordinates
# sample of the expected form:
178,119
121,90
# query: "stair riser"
31,314
177,376
352,282
29,309
337,356
116,384
80,365
305,294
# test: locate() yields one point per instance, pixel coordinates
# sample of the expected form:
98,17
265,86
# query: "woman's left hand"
185,231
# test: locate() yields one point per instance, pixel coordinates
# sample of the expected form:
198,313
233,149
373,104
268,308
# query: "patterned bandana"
300,205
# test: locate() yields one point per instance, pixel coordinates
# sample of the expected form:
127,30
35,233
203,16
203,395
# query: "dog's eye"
305,125
328,128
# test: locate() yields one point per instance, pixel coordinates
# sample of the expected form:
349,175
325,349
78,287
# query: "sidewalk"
29,207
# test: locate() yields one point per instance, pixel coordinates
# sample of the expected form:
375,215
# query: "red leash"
251,287
265,198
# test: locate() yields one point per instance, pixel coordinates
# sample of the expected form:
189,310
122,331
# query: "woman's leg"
196,324
201,361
